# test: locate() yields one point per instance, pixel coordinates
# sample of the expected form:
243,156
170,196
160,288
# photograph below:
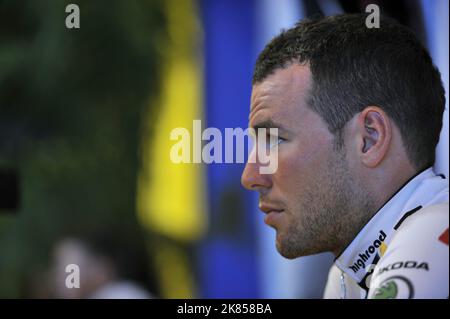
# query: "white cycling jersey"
402,252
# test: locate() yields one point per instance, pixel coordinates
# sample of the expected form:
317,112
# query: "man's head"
358,110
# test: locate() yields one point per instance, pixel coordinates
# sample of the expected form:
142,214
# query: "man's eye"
280,140
273,141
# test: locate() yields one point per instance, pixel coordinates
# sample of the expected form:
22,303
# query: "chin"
290,252
287,253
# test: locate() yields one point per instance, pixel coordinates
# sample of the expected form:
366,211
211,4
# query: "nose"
251,177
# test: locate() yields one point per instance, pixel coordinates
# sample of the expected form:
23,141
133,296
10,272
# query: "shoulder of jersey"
415,263
427,225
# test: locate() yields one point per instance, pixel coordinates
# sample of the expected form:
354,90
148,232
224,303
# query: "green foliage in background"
71,105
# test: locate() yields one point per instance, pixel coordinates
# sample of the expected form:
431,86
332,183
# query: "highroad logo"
365,256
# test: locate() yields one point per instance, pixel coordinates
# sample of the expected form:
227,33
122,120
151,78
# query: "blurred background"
85,175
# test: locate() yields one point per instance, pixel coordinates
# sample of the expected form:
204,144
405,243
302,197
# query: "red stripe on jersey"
444,237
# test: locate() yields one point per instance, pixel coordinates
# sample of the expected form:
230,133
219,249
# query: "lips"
272,213
267,208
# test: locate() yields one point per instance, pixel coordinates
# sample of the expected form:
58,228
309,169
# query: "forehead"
282,94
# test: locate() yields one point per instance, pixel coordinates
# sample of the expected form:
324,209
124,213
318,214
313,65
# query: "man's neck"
368,208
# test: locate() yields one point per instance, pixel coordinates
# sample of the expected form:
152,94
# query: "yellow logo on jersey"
383,248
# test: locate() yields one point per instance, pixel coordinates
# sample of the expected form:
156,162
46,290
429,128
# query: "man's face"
309,195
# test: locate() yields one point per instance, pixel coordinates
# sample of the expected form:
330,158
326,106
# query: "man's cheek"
291,166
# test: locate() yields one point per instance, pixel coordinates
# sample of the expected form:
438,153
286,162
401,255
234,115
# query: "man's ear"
376,134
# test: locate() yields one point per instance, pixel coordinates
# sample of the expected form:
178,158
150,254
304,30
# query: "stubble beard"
332,210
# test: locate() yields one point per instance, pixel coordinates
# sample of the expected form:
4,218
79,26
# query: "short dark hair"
353,66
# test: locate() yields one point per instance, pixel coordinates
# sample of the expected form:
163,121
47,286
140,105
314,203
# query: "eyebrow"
267,124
